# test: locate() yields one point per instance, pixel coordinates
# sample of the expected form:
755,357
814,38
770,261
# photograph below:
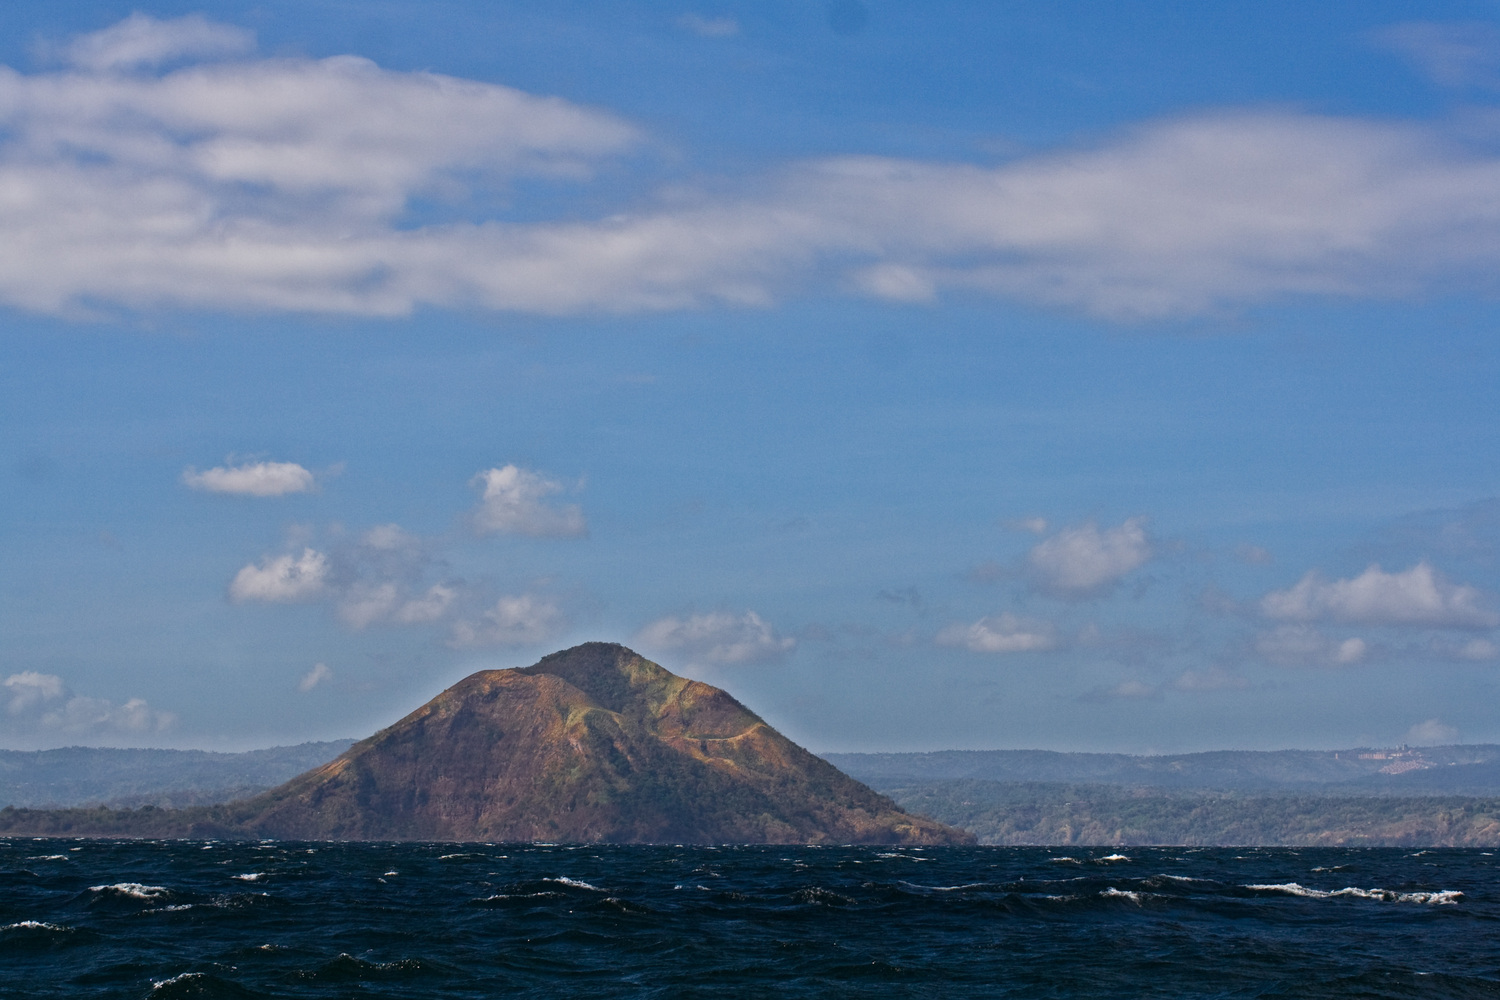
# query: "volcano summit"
592,744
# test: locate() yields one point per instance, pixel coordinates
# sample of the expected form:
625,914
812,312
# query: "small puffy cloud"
317,675
378,578
1003,633
257,479
38,703
144,41
514,502
1452,54
710,27
28,690
1081,561
1433,732
1296,645
523,620
1416,596
718,638
282,579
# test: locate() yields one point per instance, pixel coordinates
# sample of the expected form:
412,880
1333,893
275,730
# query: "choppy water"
85,919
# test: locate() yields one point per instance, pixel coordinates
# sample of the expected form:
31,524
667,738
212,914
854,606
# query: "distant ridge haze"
1463,769
74,776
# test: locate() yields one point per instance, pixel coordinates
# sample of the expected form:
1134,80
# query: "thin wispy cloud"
1450,53
1304,645
515,620
1002,633
717,638
255,479
710,27
286,185
319,674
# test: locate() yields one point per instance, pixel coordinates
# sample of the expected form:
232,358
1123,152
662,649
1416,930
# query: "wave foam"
1114,893
35,925
1442,897
249,877
135,890
575,883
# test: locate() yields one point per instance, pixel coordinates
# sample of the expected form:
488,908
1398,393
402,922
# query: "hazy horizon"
1110,378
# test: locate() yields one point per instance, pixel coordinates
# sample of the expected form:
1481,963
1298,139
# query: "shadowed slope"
592,744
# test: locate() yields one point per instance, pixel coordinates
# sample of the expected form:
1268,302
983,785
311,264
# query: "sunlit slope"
592,744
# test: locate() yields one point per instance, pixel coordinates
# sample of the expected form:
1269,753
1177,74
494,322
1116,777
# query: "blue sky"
1097,377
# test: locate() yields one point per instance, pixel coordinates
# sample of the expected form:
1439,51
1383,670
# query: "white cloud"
521,620
362,605
257,479
718,638
282,579
1416,596
1452,54
514,502
143,41
710,27
1433,732
317,675
43,703
1296,645
1084,560
287,184
1003,633
29,689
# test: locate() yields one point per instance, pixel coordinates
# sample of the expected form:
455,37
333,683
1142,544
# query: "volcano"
593,744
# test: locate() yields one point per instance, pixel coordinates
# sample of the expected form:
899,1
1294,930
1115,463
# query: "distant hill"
1449,770
1427,797
592,744
1062,815
75,776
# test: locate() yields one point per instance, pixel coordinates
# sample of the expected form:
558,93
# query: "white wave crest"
181,977
1112,892
249,877
48,857
34,925
1442,897
575,883
1114,857
132,889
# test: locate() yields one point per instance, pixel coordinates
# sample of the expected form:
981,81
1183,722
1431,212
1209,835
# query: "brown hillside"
592,744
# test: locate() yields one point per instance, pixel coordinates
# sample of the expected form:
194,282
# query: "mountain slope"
592,744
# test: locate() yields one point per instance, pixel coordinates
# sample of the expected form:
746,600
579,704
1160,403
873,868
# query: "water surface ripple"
166,920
